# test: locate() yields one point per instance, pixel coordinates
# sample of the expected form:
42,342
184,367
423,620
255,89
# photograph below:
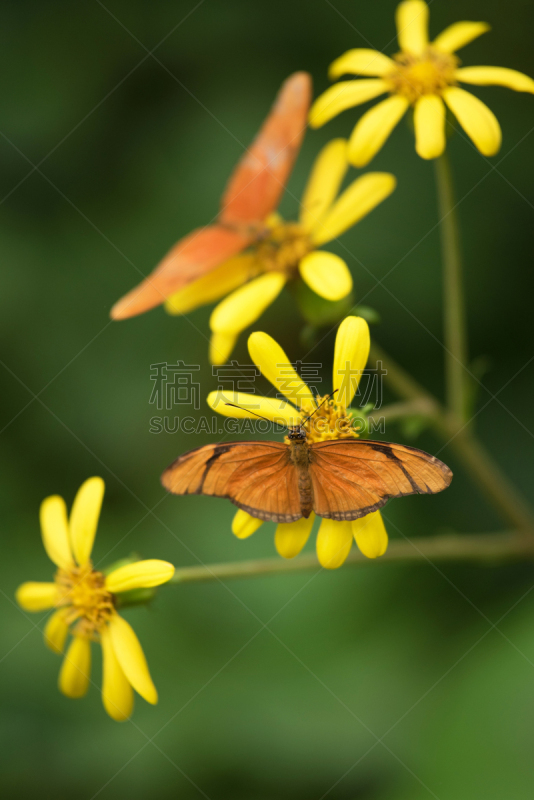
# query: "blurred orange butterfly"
340,479
252,193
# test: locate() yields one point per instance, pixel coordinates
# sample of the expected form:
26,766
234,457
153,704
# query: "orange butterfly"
251,195
340,480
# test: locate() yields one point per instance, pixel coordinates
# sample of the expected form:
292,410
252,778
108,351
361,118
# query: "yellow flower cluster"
85,602
250,282
334,539
425,76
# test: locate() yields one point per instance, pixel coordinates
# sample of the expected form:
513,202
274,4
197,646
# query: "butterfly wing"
193,256
351,478
258,477
252,193
258,181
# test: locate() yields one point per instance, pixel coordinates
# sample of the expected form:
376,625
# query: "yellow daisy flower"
251,281
332,421
85,601
423,75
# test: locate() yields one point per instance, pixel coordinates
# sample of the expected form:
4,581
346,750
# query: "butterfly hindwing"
352,477
258,477
258,181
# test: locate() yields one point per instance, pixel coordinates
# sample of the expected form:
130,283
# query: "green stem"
478,548
499,491
454,321
395,411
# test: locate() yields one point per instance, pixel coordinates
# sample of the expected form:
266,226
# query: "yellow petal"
334,541
252,406
84,518
459,34
56,630
361,61
374,128
276,367
243,307
221,346
351,352
36,596
55,531
76,668
140,575
323,184
370,534
476,119
343,95
131,658
358,199
117,694
326,274
496,76
290,537
216,284
412,26
244,525
429,122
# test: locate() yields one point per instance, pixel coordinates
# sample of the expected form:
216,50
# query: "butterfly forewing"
258,181
258,477
193,256
251,195
351,478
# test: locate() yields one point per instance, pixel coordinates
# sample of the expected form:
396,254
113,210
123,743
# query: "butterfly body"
342,479
300,455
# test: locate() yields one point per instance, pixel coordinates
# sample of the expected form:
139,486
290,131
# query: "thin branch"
499,490
395,411
454,318
489,548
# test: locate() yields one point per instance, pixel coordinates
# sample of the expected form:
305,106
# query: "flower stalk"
421,407
454,317
498,489
481,548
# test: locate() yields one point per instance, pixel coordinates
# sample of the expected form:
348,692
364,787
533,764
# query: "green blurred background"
135,152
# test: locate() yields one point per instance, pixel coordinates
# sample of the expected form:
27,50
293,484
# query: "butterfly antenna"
318,407
248,411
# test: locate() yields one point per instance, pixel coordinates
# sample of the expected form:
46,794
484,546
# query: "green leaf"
370,315
136,597
317,311
412,427
122,562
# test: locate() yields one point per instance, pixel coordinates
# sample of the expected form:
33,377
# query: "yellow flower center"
331,421
83,591
415,76
285,244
